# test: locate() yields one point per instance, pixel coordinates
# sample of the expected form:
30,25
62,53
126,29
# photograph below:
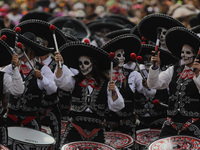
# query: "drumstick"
19,45
17,30
111,55
157,43
197,57
53,28
135,58
157,102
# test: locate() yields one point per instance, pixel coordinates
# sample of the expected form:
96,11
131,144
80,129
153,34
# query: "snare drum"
22,138
86,145
176,142
118,140
3,147
145,137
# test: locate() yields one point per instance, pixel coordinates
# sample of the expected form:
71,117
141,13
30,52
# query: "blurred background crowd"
185,11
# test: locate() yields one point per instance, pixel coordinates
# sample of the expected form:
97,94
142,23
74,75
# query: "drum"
22,138
178,142
63,126
3,147
145,137
86,145
118,140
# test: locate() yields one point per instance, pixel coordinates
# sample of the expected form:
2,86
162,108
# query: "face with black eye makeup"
120,56
162,36
187,55
85,65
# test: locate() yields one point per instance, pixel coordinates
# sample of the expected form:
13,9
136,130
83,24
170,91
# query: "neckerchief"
186,74
91,82
24,69
118,76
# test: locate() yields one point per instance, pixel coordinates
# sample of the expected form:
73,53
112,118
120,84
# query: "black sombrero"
166,57
41,29
149,24
79,29
6,54
104,23
176,37
27,39
129,42
73,50
123,18
116,33
37,14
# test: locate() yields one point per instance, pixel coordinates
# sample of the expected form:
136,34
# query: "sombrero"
129,42
149,24
41,29
104,23
166,57
116,33
26,38
123,18
79,29
6,54
37,14
176,37
73,50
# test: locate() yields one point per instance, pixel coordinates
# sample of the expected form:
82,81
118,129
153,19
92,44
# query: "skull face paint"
119,55
85,65
147,61
187,55
162,36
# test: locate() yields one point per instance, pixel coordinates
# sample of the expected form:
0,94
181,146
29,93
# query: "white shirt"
135,83
13,84
67,83
46,83
161,80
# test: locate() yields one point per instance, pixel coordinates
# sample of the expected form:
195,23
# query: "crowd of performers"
107,75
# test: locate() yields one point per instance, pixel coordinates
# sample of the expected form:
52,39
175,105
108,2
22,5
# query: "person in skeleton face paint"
128,81
183,82
90,90
150,115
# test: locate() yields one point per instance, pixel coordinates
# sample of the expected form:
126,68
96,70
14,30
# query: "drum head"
86,145
30,136
147,136
118,140
176,143
3,147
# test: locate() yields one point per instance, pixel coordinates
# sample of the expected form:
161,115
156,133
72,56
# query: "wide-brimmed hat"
41,29
79,29
149,24
37,14
26,38
124,19
116,33
73,50
6,54
166,57
176,37
104,23
129,42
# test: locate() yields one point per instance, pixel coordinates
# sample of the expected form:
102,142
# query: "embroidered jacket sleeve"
160,80
116,105
13,84
65,82
48,81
